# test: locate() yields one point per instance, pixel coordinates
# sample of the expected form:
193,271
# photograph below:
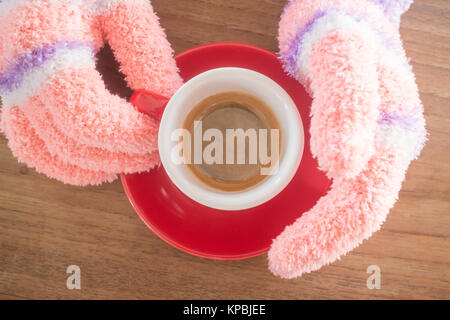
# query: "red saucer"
216,234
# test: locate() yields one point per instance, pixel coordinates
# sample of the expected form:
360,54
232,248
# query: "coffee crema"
249,132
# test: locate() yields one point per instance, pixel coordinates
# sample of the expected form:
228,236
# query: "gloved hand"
367,122
57,114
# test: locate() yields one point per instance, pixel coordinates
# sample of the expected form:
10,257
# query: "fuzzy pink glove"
57,114
367,122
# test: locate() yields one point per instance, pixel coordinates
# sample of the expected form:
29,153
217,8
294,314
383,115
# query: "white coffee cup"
232,79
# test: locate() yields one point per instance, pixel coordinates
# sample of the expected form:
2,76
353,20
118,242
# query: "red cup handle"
150,103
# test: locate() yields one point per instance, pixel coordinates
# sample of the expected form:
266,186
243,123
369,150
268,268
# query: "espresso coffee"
236,141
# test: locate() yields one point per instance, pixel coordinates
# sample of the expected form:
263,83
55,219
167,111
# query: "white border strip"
335,20
34,81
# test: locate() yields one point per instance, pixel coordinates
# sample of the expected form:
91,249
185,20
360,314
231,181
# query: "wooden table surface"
46,226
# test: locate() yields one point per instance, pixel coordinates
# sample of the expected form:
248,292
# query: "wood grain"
46,226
